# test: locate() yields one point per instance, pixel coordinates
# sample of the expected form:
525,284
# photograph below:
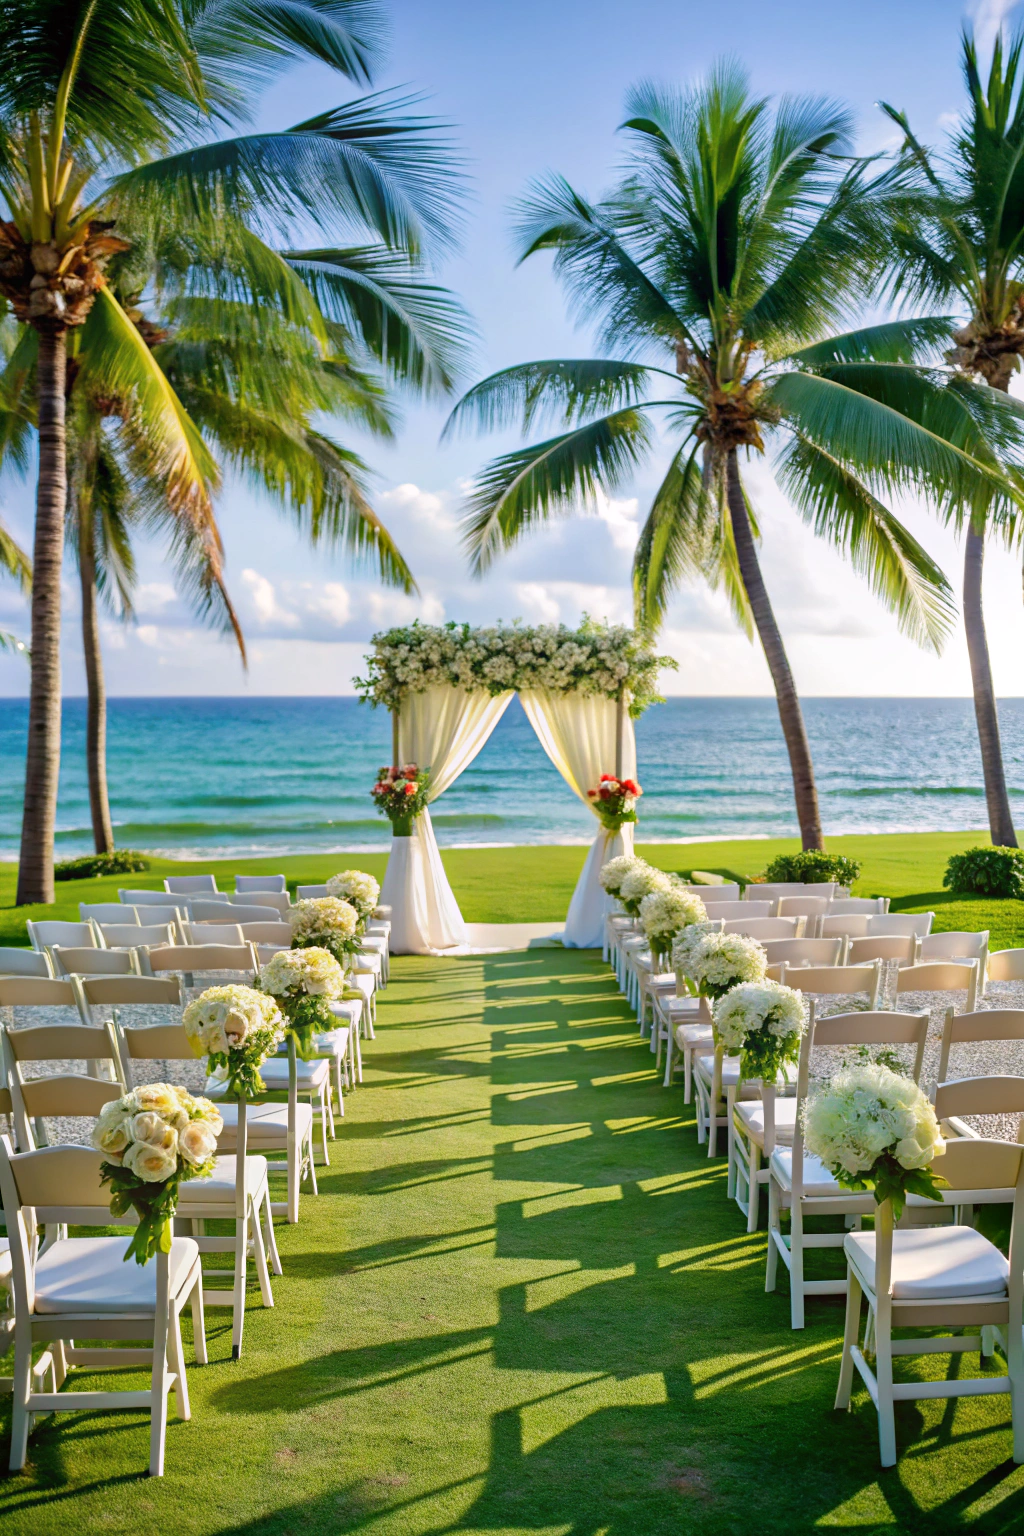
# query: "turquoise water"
257,776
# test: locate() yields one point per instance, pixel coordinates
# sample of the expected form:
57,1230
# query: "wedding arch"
446,689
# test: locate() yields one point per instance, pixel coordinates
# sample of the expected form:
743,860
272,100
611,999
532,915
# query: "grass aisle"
521,1304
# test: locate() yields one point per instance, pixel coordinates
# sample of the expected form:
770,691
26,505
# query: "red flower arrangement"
614,800
401,794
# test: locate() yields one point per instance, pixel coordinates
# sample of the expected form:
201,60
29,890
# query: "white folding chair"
213,933
274,884
25,962
70,1095
45,935
1006,965
273,901
887,947
80,1287
987,1025
238,1190
797,952
958,945
763,928
811,908
845,905
94,962
917,923
277,934
852,925
201,910
941,976
190,885
943,1277
107,912
191,960
304,892
797,1181
138,936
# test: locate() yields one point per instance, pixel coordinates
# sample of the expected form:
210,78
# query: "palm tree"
99,106
960,241
731,247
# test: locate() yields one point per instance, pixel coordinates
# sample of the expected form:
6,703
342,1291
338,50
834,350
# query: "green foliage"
814,866
122,861
986,872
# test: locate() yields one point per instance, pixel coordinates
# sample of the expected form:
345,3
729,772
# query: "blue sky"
532,87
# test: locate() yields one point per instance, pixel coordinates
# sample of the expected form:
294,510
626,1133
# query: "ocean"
247,777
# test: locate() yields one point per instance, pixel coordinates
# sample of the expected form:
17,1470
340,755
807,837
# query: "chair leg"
796,1266
687,1075
324,1118
669,1053
158,1396
886,1407
22,1388
238,1289
260,1255
771,1268
199,1322
271,1239
753,1187
293,1179
850,1333
178,1362
311,1163
1015,1371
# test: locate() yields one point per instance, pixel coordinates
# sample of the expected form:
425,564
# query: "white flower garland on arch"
446,688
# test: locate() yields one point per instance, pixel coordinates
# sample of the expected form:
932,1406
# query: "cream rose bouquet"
326,922
764,1021
358,889
721,961
152,1140
236,1029
875,1129
664,913
303,983
639,882
615,871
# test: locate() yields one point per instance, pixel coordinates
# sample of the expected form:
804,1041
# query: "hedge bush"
814,867
986,872
122,861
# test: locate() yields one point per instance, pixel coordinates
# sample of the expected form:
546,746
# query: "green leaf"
565,390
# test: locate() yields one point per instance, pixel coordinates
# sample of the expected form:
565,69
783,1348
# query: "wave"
919,791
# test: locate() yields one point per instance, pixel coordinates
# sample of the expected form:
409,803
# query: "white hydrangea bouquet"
666,912
639,882
615,871
303,982
152,1140
684,948
358,889
764,1022
875,1129
236,1029
326,922
720,961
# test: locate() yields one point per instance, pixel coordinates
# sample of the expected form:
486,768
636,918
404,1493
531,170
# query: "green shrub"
123,861
814,867
986,872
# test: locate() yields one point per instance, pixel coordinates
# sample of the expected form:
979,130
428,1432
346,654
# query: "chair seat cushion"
689,1035
220,1186
929,1263
88,1274
266,1125
349,1009
817,1181
333,1042
361,981
705,1066
374,941
309,1075
751,1118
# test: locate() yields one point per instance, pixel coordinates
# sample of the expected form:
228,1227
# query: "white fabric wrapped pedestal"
578,733
442,729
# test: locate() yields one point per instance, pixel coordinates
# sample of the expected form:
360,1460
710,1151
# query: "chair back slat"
901,947
59,1176
93,962
24,962
135,935
268,933
214,933
834,980
67,1095
43,935
189,885
800,952
121,991
204,957
59,1042
274,884
919,923
35,992
1006,965
980,1096
762,928
156,1042
970,1163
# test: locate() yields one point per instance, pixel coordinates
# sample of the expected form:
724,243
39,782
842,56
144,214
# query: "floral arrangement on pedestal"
594,659
614,800
639,882
615,871
326,922
359,889
236,1028
876,1129
717,962
763,1021
152,1140
400,794
665,912
303,983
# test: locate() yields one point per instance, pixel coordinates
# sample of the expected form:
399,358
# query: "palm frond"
14,560
237,39
679,537
563,390
894,341
841,509
551,479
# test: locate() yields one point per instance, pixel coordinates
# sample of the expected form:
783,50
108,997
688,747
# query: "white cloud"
621,518
264,600
154,597
988,17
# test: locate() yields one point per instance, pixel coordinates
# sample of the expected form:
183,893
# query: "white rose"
197,1142
159,1096
154,1130
153,1165
113,1136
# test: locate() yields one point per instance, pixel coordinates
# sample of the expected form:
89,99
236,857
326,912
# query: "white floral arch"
446,689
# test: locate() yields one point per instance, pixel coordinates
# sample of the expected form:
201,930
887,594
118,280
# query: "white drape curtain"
442,729
578,731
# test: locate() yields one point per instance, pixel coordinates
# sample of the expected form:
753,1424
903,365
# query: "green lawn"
499,885
522,1306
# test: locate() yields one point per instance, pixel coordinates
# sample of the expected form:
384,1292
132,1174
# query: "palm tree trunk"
96,719
1000,819
790,714
42,759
